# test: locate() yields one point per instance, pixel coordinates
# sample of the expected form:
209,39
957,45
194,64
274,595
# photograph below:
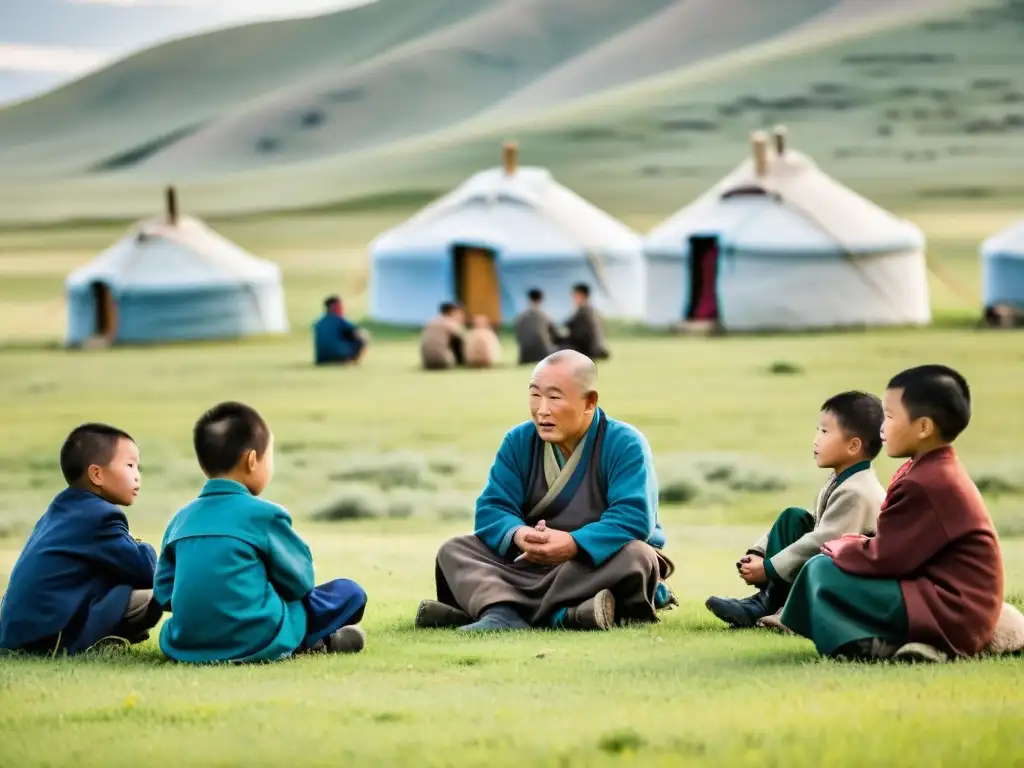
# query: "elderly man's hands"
545,546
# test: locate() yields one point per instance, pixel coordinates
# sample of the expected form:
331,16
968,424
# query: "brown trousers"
472,577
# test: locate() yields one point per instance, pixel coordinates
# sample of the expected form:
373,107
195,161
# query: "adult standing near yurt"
172,278
500,233
780,245
1002,276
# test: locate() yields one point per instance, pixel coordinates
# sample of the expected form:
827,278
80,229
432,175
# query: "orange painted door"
480,288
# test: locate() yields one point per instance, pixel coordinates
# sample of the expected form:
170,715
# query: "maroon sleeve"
909,535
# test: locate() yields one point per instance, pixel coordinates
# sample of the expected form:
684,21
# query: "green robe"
834,608
233,573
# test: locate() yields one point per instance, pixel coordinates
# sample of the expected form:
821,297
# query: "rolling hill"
637,105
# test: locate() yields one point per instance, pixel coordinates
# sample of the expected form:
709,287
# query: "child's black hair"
89,444
225,433
582,289
938,392
859,414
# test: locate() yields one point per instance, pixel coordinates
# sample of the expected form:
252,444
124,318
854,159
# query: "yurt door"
105,326
703,279
476,282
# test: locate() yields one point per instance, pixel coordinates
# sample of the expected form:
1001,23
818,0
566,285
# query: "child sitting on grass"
929,585
81,577
234,574
847,441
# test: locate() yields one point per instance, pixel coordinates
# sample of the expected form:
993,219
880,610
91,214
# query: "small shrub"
999,481
397,470
354,502
785,368
405,502
996,485
741,475
444,467
453,505
267,145
713,479
621,741
755,480
312,118
680,485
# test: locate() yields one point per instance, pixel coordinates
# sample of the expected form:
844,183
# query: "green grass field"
637,111
407,452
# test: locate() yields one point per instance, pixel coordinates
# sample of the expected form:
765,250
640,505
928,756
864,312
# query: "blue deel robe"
335,339
627,465
238,581
74,576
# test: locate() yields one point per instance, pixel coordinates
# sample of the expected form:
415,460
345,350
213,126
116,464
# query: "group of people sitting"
446,342
566,536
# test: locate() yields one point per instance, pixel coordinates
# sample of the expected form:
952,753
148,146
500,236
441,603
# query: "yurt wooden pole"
759,142
172,206
510,157
780,134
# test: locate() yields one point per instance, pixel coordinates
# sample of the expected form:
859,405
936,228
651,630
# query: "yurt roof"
534,188
1009,242
174,251
853,223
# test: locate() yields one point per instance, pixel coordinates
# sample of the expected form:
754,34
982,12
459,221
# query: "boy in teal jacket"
236,577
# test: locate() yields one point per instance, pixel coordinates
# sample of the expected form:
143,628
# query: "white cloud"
15,57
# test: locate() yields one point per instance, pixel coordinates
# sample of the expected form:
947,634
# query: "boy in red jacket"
929,585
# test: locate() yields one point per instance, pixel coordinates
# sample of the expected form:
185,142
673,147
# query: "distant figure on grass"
82,580
483,349
847,441
442,342
336,339
567,532
235,575
930,584
584,330
536,333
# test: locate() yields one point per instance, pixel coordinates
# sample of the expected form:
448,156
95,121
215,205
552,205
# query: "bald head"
563,397
579,366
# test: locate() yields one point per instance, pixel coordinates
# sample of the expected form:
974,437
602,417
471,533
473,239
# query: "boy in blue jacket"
82,577
233,572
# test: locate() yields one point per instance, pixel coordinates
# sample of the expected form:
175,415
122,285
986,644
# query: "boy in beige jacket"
847,440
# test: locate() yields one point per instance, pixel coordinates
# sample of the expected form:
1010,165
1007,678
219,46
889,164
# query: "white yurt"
780,245
499,234
171,278
1002,275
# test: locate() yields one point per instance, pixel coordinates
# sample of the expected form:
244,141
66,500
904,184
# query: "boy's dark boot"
350,639
436,615
742,613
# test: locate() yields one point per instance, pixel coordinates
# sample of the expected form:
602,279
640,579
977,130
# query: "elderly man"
567,532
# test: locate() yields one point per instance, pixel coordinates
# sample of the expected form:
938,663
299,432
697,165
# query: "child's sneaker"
349,639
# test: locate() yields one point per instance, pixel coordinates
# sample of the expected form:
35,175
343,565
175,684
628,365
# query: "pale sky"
46,42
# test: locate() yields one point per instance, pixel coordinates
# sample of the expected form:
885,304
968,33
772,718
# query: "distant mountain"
121,28
405,97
